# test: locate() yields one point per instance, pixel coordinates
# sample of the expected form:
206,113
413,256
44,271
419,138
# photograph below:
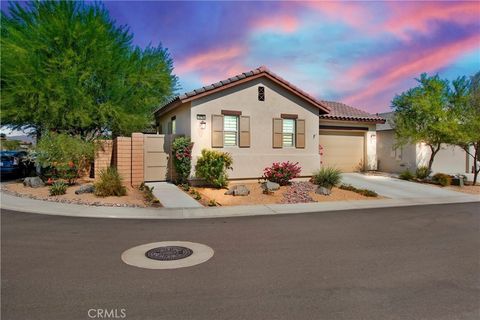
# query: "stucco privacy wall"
370,148
249,162
391,159
450,159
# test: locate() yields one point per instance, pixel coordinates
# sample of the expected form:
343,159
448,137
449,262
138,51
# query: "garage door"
342,150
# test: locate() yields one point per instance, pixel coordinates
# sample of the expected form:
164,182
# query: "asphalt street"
398,263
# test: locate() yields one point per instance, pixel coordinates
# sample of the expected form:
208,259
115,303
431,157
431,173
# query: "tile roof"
341,111
203,91
388,124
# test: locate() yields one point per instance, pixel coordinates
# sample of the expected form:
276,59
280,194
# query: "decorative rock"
86,188
323,191
269,186
33,182
238,190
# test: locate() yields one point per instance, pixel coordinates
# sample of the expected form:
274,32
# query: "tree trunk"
476,169
434,150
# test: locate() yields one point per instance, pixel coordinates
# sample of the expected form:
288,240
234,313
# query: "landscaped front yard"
134,197
297,192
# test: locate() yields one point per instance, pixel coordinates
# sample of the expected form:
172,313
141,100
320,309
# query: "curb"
9,202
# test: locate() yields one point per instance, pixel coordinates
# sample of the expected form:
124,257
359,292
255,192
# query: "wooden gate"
156,157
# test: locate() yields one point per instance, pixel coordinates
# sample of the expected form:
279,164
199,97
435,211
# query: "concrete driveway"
396,188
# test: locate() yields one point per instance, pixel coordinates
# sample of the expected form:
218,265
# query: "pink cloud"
284,23
351,13
397,70
215,64
407,17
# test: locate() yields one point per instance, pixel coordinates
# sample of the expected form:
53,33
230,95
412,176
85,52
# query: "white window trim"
236,131
293,134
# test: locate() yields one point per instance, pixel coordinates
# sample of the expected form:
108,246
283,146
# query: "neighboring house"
260,118
450,159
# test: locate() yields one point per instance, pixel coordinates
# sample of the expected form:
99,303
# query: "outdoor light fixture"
203,124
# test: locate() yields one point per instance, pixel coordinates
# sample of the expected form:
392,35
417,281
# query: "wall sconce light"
203,125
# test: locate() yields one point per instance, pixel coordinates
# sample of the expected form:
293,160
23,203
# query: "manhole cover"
168,253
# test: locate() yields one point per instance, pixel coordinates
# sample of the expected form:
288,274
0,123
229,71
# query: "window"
230,129
288,134
261,93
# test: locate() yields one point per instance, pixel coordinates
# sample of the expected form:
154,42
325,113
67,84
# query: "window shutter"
170,127
300,134
217,131
244,134
277,132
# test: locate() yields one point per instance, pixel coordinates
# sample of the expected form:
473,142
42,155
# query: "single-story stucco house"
450,159
260,118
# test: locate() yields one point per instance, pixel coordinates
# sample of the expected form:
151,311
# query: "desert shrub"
212,203
422,172
406,175
442,179
196,195
58,188
182,158
327,177
150,198
282,173
212,167
64,156
365,192
110,184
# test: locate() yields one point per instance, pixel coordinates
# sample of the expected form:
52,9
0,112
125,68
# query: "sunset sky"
360,53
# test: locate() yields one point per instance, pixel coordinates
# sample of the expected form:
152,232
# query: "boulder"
238,190
33,182
323,191
269,186
86,188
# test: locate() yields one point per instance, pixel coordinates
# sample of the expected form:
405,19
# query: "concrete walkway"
172,197
74,210
396,188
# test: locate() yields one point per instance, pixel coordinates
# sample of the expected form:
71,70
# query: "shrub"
212,166
110,184
422,172
150,199
212,203
185,187
406,175
282,173
327,177
58,188
365,192
64,156
182,158
442,179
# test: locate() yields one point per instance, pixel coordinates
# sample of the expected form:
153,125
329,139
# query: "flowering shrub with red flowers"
182,158
282,173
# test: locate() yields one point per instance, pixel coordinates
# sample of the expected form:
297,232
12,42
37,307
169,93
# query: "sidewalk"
10,202
171,196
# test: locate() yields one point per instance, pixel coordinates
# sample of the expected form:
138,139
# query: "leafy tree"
422,114
67,67
465,100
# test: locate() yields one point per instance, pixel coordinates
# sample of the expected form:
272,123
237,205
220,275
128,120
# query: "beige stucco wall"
391,159
450,159
249,162
370,148
182,115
